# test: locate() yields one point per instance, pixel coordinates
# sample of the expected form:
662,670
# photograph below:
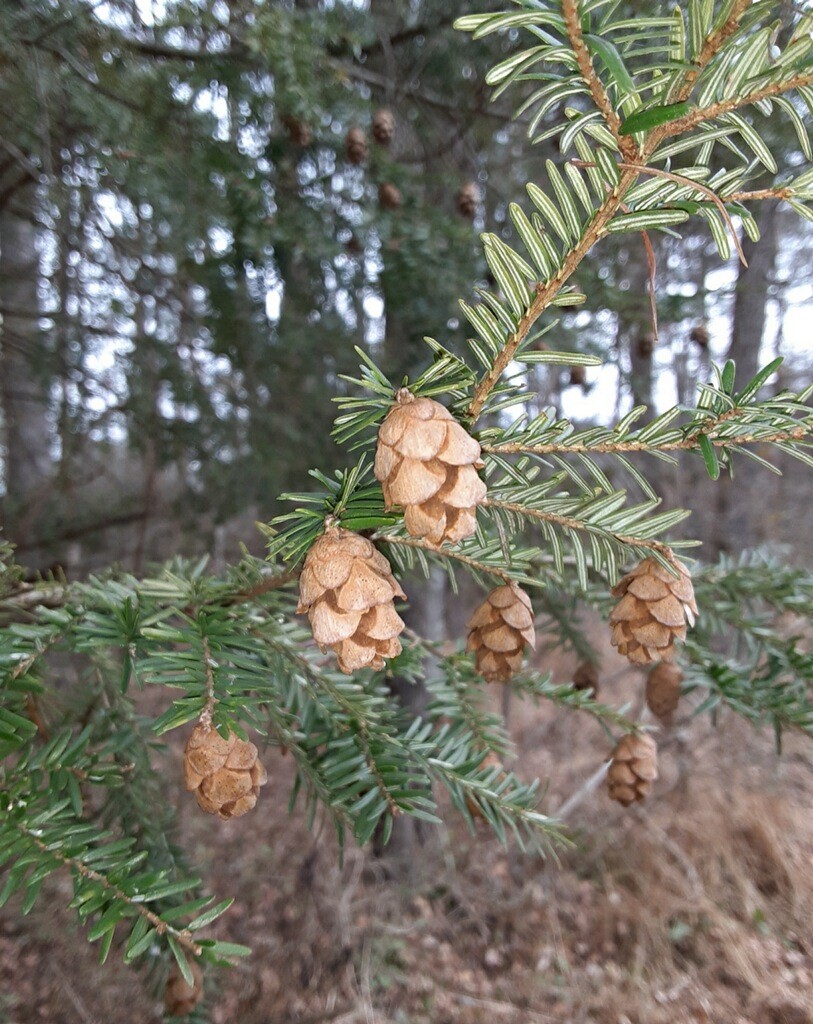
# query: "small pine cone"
181,998
634,768
700,336
578,376
299,133
499,630
663,688
226,775
646,345
355,146
467,200
389,196
654,609
347,589
428,464
586,678
383,127
489,761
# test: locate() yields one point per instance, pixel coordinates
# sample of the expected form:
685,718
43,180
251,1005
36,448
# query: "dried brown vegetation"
695,907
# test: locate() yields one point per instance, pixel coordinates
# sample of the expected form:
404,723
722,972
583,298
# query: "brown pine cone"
467,200
299,133
700,335
389,196
383,127
181,998
663,688
428,464
226,775
654,609
634,768
586,678
355,146
347,589
499,630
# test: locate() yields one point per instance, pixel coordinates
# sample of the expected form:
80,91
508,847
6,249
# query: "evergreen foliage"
658,119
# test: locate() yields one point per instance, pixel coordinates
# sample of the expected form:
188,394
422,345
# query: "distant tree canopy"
203,251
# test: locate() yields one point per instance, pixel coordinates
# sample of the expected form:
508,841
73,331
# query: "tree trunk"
734,526
23,375
752,295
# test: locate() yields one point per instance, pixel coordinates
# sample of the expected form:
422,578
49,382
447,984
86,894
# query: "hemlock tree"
657,120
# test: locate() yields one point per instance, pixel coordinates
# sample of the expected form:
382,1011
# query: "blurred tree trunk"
23,378
753,293
734,522
640,328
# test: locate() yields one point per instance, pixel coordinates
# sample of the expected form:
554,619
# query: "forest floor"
696,907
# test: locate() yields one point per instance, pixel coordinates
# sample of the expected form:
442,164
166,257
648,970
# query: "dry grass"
698,907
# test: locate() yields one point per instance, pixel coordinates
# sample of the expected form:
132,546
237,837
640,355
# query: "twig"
208,668
577,524
626,144
711,47
681,179
685,444
270,583
74,997
758,194
445,553
581,794
182,936
695,117
545,293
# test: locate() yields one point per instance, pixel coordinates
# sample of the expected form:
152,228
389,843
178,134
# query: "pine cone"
181,998
355,146
499,630
226,775
428,464
663,689
389,196
646,345
700,336
299,133
347,589
383,127
634,768
467,200
653,611
586,678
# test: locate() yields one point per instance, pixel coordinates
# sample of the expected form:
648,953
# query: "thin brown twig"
711,47
681,179
545,293
758,194
626,144
695,117
208,668
576,524
266,586
182,936
653,280
684,444
412,542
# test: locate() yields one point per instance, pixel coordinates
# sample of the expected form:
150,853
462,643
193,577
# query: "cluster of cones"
656,604
428,466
